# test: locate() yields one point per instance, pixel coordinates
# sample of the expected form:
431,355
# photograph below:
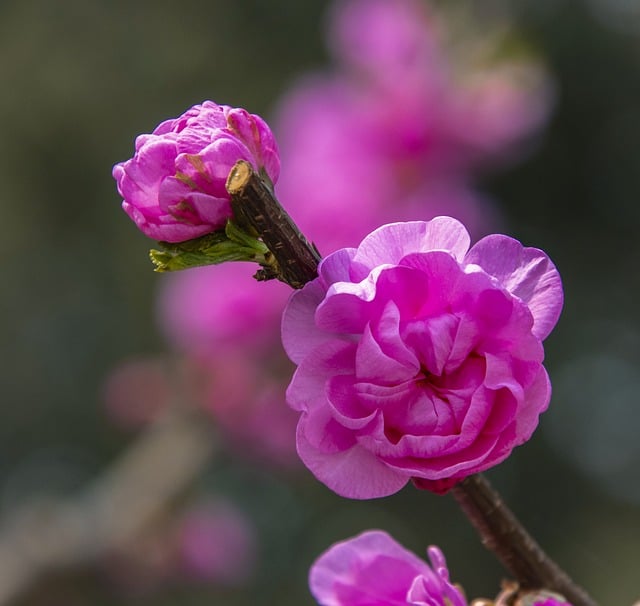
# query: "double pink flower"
419,358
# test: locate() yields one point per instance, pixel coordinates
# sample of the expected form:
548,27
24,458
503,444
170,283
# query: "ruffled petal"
300,335
391,243
355,473
527,273
368,569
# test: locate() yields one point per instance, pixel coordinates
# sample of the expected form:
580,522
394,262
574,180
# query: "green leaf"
222,246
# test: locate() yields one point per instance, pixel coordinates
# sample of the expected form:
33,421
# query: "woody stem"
256,210
501,532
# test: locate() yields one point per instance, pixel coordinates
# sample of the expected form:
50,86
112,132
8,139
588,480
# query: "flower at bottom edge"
372,568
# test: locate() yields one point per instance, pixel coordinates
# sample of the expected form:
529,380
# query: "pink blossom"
452,118
217,543
336,164
419,358
383,39
227,324
245,396
137,391
174,186
208,309
374,570
395,123
552,601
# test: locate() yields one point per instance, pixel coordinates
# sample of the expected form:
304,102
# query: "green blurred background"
79,79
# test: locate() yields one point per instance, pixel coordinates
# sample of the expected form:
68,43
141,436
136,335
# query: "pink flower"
217,543
245,396
228,324
137,391
372,569
385,38
207,309
399,121
339,162
419,358
453,119
174,186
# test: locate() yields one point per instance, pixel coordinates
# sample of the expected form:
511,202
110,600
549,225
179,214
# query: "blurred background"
116,485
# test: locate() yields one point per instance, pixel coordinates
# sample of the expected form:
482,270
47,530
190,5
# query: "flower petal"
391,243
525,272
355,473
300,335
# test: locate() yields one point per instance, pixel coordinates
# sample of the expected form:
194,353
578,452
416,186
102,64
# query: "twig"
50,535
502,533
256,209
254,205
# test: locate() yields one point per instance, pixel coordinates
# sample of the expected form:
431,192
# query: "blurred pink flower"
394,126
419,358
136,391
393,51
385,38
174,186
228,326
374,570
337,167
246,399
217,543
211,541
207,309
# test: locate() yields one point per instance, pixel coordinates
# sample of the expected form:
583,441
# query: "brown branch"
50,535
256,210
502,533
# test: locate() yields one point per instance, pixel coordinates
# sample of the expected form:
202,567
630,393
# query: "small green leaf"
222,246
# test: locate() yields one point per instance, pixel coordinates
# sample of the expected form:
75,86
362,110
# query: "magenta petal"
162,227
432,339
527,273
391,243
347,307
212,210
441,274
536,401
139,178
355,473
370,569
300,334
336,266
386,332
373,364
307,388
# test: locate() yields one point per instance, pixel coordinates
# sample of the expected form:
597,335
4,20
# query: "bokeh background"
78,80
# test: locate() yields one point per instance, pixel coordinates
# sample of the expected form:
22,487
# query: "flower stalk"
502,533
256,210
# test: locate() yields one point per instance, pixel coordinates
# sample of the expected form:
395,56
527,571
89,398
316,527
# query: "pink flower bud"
174,186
